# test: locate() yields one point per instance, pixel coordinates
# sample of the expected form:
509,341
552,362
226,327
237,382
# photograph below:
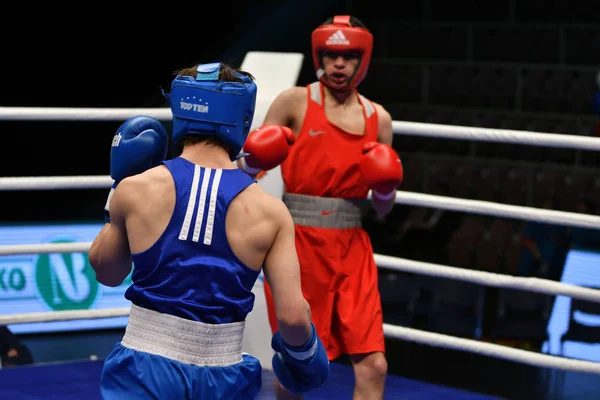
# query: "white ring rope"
44,248
69,315
491,350
496,135
398,332
407,198
498,209
402,197
538,285
398,127
544,286
56,182
80,114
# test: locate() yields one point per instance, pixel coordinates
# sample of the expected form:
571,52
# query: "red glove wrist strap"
249,169
384,196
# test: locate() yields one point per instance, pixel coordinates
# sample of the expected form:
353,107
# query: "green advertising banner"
55,282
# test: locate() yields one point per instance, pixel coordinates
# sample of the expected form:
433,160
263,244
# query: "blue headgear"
207,106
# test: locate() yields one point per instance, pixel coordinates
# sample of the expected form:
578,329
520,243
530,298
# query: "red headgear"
340,36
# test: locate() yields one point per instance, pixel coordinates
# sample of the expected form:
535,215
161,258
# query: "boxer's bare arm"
282,270
281,111
109,255
385,135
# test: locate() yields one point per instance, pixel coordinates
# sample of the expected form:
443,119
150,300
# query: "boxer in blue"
197,231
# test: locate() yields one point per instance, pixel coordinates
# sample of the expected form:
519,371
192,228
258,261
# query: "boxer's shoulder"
254,219
378,107
383,114
158,175
139,187
255,200
287,107
291,96
295,92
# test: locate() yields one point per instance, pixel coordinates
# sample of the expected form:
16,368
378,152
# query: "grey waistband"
183,340
323,212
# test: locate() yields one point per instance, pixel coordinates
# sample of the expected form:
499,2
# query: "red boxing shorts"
340,282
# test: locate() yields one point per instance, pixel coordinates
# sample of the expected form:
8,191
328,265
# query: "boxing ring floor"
80,380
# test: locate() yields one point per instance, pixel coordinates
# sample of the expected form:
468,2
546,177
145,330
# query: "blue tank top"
191,271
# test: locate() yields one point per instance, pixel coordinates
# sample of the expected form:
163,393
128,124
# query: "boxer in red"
334,145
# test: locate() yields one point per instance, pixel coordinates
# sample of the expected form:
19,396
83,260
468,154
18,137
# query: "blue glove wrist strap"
107,205
307,350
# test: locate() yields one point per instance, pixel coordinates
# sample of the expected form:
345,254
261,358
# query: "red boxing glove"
381,169
268,147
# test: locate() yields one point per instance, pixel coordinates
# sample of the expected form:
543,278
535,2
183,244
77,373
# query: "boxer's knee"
370,368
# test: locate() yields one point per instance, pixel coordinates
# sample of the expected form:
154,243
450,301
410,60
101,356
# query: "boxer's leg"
370,370
358,309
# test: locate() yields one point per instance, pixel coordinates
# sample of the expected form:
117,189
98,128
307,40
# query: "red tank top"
324,160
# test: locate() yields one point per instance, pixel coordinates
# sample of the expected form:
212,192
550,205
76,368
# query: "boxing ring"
88,371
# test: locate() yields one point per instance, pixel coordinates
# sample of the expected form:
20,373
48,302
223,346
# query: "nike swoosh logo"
315,133
326,213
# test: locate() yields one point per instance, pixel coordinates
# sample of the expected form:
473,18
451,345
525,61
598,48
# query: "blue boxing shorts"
166,357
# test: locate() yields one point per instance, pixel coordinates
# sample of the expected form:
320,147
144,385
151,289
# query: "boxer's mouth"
338,77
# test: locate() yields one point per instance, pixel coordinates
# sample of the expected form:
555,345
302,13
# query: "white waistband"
183,340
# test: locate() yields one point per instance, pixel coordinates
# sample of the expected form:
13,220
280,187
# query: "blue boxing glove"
140,144
303,368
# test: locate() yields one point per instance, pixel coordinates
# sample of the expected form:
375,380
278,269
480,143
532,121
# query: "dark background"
527,65
105,57
524,65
